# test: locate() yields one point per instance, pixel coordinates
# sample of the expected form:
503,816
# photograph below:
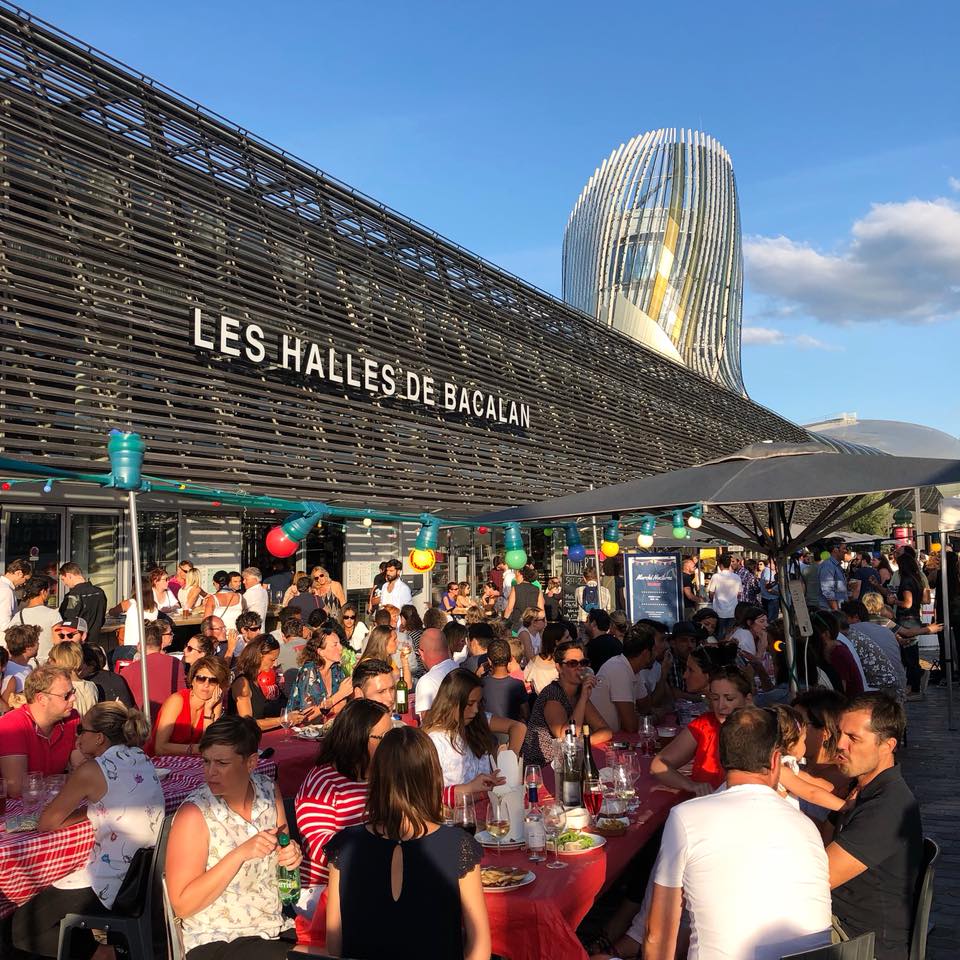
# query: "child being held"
796,785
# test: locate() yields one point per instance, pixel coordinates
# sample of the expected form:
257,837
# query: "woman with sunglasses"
321,682
564,701
256,692
354,629
118,786
198,646
328,591
187,713
464,735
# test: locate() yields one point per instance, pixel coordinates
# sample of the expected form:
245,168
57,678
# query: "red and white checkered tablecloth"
31,861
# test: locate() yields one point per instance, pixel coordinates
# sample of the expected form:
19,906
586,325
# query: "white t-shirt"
724,589
399,596
427,686
745,640
257,600
18,670
616,685
703,852
43,617
458,767
646,680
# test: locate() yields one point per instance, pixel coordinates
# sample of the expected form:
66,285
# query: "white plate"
598,843
308,733
162,773
529,878
489,840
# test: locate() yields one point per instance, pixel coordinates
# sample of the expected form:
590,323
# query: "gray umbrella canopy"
754,481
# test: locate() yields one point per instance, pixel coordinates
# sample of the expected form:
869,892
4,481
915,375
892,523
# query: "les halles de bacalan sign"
232,338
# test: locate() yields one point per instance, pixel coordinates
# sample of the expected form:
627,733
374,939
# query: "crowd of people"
503,671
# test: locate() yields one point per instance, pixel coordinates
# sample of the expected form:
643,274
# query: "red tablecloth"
294,758
31,861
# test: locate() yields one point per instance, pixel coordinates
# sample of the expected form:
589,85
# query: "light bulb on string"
645,537
367,522
48,486
679,529
611,539
576,551
514,555
696,518
423,556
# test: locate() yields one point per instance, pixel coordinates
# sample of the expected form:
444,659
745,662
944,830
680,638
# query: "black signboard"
654,587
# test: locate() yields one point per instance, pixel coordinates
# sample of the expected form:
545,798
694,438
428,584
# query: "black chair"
921,910
137,914
860,948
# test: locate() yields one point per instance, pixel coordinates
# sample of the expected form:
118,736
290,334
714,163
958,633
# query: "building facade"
652,249
268,329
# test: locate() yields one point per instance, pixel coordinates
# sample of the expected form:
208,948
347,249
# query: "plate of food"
487,839
611,826
308,733
499,879
575,842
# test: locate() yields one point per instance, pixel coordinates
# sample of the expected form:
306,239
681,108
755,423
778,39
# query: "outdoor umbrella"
755,495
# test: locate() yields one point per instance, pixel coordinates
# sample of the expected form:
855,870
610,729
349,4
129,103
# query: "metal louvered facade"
652,248
125,208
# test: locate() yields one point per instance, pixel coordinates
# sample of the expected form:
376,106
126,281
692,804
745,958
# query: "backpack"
591,598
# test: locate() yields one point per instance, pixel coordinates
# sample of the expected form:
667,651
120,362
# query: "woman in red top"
730,690
187,713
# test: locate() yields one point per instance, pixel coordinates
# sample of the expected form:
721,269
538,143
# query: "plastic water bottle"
288,879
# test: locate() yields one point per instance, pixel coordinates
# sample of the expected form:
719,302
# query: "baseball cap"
685,628
74,623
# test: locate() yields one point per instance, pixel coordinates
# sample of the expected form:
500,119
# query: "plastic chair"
921,910
175,950
860,948
135,916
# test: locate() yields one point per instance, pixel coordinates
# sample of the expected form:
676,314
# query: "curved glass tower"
652,248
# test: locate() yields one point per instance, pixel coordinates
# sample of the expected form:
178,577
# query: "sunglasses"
68,634
574,663
205,679
322,577
348,616
69,695
83,730
189,649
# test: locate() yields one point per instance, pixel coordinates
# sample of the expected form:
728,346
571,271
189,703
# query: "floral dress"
309,686
250,905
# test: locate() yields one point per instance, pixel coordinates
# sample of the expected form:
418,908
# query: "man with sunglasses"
42,733
75,629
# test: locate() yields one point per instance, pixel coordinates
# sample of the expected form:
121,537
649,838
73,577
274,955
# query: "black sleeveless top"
524,595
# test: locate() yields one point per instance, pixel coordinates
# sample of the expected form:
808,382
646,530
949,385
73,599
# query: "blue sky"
485,121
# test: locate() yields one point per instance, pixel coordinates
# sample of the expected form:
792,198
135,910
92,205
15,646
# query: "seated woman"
707,619
448,602
67,654
118,786
355,630
533,622
334,796
382,645
464,736
562,702
542,668
256,691
197,646
222,855
730,689
188,712
403,863
322,684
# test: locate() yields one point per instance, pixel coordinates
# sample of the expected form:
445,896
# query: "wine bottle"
571,794
590,769
288,878
402,700
533,826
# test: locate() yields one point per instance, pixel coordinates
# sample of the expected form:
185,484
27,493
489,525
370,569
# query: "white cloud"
770,337
901,263
954,184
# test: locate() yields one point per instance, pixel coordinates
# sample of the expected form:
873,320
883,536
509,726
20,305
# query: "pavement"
931,765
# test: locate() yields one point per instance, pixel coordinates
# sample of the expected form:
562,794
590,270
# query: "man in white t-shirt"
256,597
704,865
651,687
435,654
394,592
614,696
15,576
724,591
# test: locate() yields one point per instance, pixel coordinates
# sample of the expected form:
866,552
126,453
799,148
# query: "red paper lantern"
279,544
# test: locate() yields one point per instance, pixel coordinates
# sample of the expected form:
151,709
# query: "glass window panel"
95,546
159,540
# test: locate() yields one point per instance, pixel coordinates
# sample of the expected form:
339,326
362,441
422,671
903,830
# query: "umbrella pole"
947,627
596,558
778,517
138,593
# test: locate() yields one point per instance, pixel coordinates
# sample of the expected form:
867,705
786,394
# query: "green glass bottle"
288,880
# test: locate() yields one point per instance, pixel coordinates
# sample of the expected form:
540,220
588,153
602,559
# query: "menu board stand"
654,587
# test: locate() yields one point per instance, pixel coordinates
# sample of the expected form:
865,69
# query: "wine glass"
593,796
465,815
498,823
554,820
286,718
648,735
32,792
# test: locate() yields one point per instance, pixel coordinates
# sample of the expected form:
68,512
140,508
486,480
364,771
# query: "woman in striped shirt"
334,794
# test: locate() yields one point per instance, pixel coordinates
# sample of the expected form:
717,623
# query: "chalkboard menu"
654,587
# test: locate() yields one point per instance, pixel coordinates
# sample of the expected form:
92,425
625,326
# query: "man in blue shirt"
833,578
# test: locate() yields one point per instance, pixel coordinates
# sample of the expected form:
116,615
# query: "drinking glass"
593,797
465,815
53,784
498,822
32,793
532,777
286,718
648,737
554,820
